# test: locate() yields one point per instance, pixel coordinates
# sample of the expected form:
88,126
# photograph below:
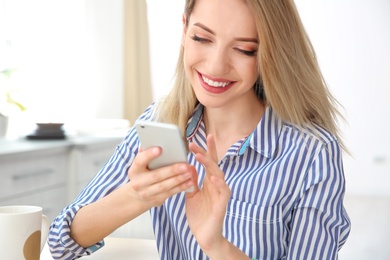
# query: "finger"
164,181
143,158
166,177
207,158
172,185
203,157
196,149
194,179
211,148
210,153
210,165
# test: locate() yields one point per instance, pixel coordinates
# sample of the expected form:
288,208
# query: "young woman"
264,157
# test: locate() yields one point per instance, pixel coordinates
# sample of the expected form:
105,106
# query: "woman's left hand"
206,207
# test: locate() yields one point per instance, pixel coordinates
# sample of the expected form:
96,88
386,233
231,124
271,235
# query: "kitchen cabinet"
88,156
50,173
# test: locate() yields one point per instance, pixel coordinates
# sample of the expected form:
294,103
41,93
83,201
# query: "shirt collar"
266,135
263,139
194,121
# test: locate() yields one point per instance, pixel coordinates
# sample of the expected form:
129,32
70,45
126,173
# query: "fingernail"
155,150
190,189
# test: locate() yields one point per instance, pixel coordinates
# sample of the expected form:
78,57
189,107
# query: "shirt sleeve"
320,224
112,176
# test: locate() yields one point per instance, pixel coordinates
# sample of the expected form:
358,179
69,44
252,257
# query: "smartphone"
166,136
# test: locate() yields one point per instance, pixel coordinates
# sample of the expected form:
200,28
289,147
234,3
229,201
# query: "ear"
184,19
183,34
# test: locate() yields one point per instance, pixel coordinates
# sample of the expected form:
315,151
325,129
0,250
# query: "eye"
199,39
247,53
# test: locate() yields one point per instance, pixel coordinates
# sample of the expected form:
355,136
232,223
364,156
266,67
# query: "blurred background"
85,62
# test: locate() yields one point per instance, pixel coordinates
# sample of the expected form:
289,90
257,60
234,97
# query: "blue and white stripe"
286,203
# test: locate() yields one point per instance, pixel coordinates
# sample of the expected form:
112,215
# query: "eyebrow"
242,39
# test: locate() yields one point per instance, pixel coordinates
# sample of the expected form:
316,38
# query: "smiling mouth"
216,84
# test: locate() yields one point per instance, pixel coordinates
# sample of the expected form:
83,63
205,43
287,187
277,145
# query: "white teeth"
215,83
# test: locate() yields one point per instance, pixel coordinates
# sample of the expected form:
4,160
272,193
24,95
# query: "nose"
218,61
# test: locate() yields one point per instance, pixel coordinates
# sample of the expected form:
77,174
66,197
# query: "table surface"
119,249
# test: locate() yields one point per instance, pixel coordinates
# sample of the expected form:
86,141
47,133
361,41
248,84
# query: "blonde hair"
291,78
178,105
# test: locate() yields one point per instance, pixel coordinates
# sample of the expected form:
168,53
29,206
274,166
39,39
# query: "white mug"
23,232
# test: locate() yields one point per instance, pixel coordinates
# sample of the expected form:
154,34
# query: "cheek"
187,61
190,59
247,68
191,55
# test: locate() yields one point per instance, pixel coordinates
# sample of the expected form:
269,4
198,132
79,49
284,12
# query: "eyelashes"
199,39
248,53
205,41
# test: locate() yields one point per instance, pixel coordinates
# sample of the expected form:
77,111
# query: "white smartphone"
166,136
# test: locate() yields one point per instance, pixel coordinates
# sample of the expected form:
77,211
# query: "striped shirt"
287,187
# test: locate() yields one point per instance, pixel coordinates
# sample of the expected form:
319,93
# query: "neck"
231,123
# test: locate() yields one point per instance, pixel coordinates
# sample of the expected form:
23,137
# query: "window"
165,28
67,57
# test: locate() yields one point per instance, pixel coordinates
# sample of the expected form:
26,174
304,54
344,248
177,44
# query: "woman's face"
220,52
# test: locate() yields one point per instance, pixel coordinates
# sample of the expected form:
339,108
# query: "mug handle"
44,230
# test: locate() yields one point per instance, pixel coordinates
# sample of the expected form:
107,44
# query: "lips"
214,85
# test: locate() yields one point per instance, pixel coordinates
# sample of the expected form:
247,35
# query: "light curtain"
138,90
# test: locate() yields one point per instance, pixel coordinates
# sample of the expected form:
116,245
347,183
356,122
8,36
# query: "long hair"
180,102
290,78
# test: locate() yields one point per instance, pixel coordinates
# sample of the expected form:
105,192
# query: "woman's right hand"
153,187
146,189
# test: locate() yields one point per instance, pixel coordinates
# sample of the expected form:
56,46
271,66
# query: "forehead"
225,17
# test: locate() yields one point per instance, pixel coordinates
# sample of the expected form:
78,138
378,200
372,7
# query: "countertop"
14,146
119,249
